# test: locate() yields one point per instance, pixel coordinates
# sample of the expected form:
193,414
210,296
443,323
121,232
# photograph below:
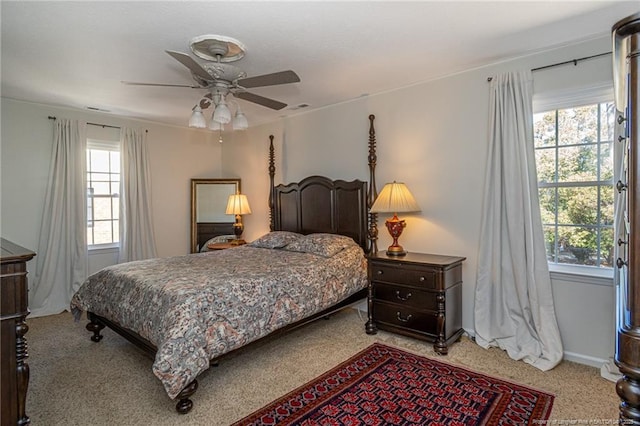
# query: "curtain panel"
137,240
514,307
61,263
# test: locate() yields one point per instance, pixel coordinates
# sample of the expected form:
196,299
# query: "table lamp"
395,198
238,205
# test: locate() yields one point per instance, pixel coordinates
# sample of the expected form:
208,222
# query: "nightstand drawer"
405,296
399,316
414,277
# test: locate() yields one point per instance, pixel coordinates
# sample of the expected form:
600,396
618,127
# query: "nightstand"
223,246
417,295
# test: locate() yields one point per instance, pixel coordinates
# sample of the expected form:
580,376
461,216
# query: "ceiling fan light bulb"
240,121
222,114
197,119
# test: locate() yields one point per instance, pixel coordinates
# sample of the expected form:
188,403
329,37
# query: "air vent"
97,109
299,106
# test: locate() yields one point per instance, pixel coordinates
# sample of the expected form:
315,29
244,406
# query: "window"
574,161
103,187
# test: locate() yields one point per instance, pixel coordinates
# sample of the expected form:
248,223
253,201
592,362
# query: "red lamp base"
395,227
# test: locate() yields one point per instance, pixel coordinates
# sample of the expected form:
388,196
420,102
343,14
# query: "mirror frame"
194,184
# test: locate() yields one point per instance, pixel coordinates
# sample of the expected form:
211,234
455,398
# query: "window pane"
606,205
102,232
547,205
115,162
544,129
606,247
578,125
90,235
579,246
546,165
116,231
102,208
550,242
99,177
115,207
578,206
99,161
115,188
606,161
101,188
607,117
578,163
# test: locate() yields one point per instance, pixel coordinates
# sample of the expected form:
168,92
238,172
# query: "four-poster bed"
312,263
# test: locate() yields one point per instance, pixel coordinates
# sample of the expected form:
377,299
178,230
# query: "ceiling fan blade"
134,83
260,100
190,63
282,77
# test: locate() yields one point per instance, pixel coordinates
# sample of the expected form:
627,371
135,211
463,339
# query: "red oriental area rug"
386,386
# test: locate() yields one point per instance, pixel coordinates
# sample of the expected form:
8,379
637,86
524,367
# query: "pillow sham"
276,239
325,245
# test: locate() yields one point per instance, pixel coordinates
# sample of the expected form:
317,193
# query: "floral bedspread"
197,307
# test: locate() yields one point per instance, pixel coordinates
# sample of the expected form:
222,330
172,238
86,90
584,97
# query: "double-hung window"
103,193
574,161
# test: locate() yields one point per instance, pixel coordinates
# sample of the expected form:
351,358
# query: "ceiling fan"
221,78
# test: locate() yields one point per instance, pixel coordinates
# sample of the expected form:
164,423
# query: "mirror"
208,204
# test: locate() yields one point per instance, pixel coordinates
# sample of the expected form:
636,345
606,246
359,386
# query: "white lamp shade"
238,204
240,121
214,125
197,119
395,198
222,114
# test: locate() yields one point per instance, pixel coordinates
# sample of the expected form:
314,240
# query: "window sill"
103,249
582,274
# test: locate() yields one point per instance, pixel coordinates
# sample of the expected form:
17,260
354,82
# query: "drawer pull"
422,279
379,272
399,316
403,298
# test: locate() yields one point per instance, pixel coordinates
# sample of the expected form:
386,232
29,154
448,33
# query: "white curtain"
137,240
513,299
61,260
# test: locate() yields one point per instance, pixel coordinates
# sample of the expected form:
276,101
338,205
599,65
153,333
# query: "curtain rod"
91,124
572,61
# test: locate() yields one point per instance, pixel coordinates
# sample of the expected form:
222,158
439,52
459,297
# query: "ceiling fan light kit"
221,79
197,119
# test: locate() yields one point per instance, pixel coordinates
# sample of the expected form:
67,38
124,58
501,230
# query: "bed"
188,311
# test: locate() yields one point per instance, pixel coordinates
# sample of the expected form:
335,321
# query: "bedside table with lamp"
414,294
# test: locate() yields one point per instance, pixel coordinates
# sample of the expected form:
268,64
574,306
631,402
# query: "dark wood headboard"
319,204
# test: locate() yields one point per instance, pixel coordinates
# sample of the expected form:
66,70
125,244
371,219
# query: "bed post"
272,173
373,192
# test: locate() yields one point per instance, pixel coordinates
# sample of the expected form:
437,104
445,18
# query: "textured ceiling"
76,54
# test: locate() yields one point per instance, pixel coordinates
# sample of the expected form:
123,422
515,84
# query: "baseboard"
584,359
569,356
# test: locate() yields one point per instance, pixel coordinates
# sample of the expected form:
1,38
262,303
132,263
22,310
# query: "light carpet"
75,381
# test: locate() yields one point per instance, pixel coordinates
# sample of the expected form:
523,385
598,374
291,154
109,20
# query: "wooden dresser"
13,352
418,295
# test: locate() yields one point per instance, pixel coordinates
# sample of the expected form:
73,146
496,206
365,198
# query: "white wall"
434,137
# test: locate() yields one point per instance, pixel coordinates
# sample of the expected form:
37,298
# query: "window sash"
110,179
